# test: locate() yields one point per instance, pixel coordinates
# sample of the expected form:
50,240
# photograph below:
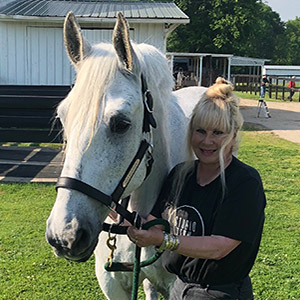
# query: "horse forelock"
94,76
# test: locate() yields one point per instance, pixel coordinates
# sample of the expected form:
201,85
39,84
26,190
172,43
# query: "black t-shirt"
201,211
264,81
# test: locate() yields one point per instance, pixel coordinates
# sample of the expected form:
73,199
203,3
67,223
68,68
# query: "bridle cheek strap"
112,201
109,201
84,188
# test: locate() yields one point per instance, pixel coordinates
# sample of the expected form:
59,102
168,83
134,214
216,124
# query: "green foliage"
29,270
269,35
293,40
231,23
240,27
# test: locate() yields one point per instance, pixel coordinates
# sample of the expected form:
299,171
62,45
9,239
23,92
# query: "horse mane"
155,69
94,75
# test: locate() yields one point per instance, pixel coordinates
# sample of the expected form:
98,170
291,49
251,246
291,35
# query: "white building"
31,35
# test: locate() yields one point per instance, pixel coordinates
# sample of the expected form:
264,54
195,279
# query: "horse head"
103,118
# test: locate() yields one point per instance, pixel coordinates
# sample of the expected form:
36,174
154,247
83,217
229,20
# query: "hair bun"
221,80
221,89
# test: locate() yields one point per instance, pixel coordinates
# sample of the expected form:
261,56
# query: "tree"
269,40
197,34
293,42
239,27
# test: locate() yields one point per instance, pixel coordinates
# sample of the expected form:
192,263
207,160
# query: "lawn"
248,95
29,270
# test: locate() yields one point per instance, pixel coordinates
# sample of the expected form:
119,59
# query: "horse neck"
160,82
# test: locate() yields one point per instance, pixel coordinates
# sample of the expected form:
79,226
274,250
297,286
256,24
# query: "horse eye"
119,124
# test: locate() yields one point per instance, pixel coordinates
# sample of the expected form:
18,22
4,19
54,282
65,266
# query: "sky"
287,9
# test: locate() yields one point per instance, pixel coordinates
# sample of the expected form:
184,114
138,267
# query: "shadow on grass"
253,127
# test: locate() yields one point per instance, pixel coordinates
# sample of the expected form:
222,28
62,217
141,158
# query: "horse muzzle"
72,244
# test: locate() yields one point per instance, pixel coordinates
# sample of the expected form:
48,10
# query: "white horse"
103,120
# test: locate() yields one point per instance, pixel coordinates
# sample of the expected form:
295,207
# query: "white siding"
47,62
152,34
34,53
95,36
12,53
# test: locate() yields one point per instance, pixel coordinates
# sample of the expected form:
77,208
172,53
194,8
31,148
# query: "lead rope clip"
111,244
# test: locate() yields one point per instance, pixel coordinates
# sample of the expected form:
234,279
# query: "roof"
275,67
234,60
248,61
183,54
163,12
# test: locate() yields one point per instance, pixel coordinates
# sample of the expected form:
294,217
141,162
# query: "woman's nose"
208,139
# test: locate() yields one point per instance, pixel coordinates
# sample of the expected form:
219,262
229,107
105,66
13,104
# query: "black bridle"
112,201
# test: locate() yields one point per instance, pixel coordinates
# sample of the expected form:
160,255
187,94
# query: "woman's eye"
218,132
201,131
119,124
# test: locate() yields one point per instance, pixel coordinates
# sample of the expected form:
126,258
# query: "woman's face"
206,144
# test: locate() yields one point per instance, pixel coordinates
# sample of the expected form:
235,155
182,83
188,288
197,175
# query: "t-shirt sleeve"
242,213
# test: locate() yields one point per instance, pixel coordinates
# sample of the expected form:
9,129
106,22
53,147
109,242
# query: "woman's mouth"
207,152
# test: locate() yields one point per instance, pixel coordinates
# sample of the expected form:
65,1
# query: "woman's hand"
154,236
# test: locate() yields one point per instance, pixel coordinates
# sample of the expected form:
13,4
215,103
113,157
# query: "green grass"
276,274
29,270
247,95
41,145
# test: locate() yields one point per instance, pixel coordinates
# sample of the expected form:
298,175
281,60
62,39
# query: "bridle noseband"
112,201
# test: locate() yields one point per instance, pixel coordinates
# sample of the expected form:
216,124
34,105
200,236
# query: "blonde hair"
94,77
218,109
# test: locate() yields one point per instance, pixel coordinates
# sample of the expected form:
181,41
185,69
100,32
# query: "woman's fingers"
137,236
145,238
130,233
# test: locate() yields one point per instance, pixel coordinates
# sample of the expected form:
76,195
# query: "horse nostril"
54,243
82,240
72,244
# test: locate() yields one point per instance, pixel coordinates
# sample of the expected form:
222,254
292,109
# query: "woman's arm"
205,247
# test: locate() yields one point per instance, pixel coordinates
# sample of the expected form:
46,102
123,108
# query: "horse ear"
76,46
122,43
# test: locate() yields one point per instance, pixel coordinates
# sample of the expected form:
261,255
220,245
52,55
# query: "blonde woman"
215,205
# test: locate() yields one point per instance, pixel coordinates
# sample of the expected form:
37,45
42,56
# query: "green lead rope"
137,262
136,273
137,265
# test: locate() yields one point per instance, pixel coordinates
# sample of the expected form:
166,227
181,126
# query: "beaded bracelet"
171,242
164,243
